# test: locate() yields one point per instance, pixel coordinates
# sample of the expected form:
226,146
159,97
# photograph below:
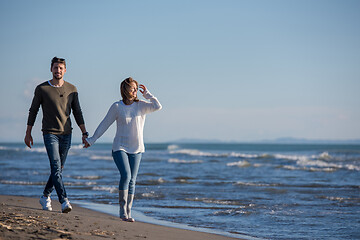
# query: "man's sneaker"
45,203
66,207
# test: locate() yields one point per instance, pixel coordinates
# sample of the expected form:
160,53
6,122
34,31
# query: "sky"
228,70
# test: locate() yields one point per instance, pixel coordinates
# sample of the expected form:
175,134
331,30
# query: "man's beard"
57,77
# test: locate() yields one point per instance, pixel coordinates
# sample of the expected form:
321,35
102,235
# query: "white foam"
21,182
151,194
36,149
108,189
317,163
172,147
96,157
195,152
94,177
239,164
327,165
80,183
243,155
78,146
325,156
253,184
175,160
352,167
290,157
4,148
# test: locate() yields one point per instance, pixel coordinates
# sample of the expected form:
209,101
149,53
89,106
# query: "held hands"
86,144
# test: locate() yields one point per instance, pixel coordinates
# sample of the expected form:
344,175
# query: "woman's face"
132,90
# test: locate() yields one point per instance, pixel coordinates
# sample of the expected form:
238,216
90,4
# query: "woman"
128,144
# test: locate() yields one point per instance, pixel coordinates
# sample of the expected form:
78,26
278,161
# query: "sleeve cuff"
147,94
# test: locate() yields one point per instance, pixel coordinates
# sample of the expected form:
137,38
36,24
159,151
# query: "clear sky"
231,70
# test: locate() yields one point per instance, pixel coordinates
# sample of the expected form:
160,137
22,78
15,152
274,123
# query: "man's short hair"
58,60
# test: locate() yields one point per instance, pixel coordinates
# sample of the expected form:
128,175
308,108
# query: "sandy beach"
23,218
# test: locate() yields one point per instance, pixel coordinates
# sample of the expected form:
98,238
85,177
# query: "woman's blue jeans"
57,147
128,165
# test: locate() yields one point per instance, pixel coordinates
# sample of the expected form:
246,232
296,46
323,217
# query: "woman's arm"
153,105
104,125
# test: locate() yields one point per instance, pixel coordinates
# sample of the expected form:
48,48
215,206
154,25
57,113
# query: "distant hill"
284,140
291,140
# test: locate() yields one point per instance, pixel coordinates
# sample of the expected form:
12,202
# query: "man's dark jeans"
57,147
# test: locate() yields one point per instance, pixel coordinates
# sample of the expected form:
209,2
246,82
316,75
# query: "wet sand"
23,218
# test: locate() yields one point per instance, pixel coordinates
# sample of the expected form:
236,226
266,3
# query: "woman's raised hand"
143,88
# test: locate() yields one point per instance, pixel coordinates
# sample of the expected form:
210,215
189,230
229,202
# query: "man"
57,98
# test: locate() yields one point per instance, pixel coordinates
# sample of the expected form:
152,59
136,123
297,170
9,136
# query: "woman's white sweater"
130,121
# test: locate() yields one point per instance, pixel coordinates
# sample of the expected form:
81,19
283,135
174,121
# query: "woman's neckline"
122,101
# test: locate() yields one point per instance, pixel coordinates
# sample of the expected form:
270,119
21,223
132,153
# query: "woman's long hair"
124,89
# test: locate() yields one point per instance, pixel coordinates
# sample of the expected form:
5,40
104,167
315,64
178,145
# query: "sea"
249,191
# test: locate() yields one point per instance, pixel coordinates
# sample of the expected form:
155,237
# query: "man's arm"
85,134
28,138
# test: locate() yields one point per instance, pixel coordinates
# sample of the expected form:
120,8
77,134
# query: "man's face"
58,70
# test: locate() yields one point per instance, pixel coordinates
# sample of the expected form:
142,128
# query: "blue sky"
227,70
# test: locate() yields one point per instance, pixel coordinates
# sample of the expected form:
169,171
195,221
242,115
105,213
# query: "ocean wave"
21,182
77,146
36,149
87,177
172,147
325,156
186,207
79,183
316,164
184,180
194,152
257,184
311,169
151,194
244,155
150,174
215,201
175,160
97,157
352,167
341,199
151,182
239,164
291,157
232,212
4,148
43,183
106,189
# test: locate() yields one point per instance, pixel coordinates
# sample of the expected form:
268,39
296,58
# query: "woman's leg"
122,163
134,160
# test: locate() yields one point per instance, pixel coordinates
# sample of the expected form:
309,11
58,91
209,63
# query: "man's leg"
64,146
52,143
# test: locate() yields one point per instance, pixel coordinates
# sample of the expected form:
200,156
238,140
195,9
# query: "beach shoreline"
23,218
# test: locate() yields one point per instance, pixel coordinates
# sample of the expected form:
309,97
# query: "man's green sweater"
56,104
